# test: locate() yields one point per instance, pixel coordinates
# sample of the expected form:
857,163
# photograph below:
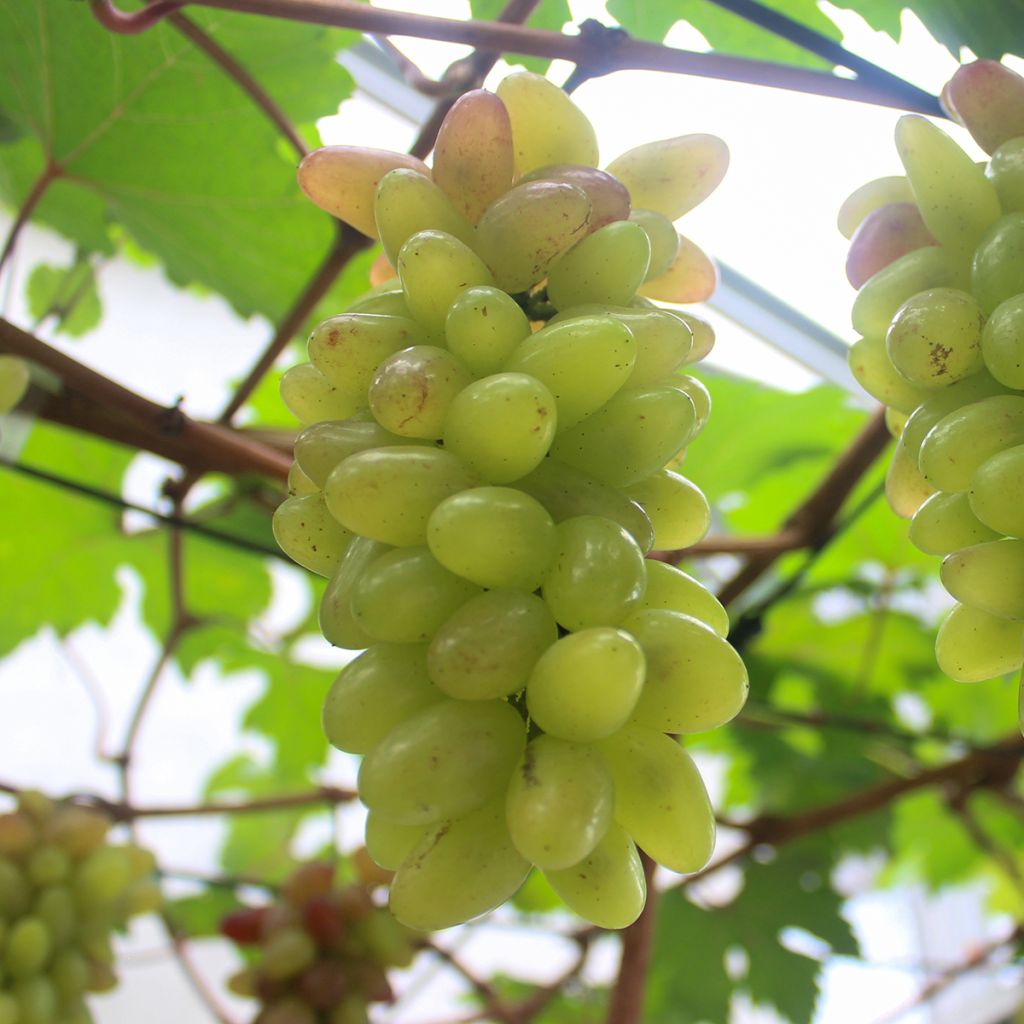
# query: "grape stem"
626,1005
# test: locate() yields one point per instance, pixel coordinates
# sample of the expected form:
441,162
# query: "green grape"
459,870
974,645
566,492
388,299
632,436
597,573
300,485
389,843
674,175
389,493
407,202
528,228
661,233
906,489
703,335
348,348
309,396
547,127
608,886
1002,343
559,802
660,799
998,270
870,197
695,680
699,395
48,865
494,536
405,596
337,623
945,523
886,291
286,953
895,421
28,947
501,426
443,762
958,203
692,277
102,878
483,328
55,907
609,199
386,941
375,693
607,267
583,362
474,162
678,510
321,446
989,577
70,973
14,889
670,588
412,390
1006,169
489,646
585,686
997,493
343,181
935,338
308,534
37,1000
14,382
435,268
962,440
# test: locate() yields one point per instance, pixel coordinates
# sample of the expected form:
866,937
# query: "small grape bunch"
319,955
938,257
491,450
63,891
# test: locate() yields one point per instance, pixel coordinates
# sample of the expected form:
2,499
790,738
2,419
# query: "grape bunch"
319,955
63,890
490,453
938,258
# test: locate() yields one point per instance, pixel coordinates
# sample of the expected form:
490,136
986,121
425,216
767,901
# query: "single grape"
28,947
870,197
661,233
607,267
321,446
483,327
997,493
670,588
885,235
337,622
677,508
309,396
906,489
998,270
974,645
308,534
389,843
988,100
945,523
609,199
1002,343
691,277
989,577
287,953
1006,169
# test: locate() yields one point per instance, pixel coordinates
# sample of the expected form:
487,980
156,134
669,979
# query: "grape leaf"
549,14
200,915
68,294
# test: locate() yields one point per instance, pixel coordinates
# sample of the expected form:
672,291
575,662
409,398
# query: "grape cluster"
938,256
63,890
319,954
483,473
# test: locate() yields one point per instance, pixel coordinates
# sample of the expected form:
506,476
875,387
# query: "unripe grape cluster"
320,954
938,256
484,468
63,890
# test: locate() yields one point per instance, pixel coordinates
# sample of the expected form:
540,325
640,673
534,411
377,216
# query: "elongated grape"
609,199
582,361
906,488
632,436
962,440
14,381
945,523
585,686
607,267
527,229
670,588
699,395
383,687
661,233
299,484
566,492
483,328
389,843
337,623
672,176
1006,169
998,270
987,98
435,268
308,533
321,446
473,157
28,946
1002,343
559,802
387,299
407,202
886,291
501,426
691,277
997,493
343,180
973,645
703,335
37,1000
873,369
547,127
347,349
885,235
608,886
989,577
869,197
406,594
660,799
459,870
678,510
443,762
957,201
310,396
389,493
489,646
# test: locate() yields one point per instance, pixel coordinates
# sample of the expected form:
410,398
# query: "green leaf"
68,294
929,844
200,915
550,15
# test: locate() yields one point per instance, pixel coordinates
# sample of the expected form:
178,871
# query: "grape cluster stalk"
63,890
490,450
938,258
